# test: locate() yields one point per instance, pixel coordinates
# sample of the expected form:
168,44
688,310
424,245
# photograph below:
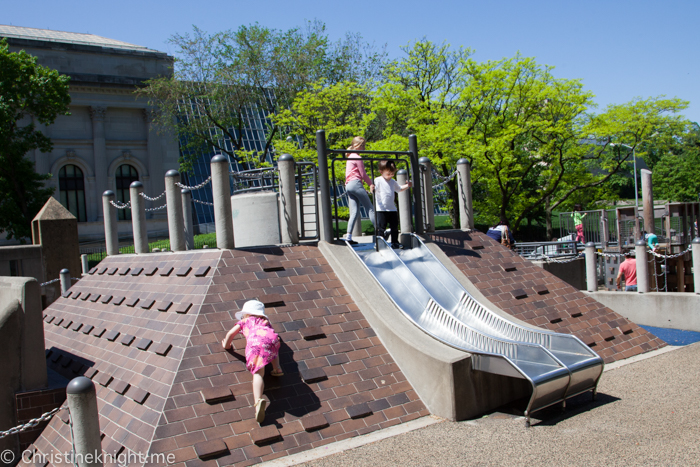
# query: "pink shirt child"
355,170
629,269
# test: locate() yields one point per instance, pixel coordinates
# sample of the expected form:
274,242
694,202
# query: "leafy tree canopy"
29,94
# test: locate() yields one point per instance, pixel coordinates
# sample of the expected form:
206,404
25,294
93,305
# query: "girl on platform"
354,176
262,347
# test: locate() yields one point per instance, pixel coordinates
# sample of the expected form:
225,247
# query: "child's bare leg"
258,384
276,364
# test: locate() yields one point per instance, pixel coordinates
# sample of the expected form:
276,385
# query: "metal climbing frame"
557,366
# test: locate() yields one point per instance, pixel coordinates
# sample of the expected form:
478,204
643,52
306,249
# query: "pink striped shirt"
355,170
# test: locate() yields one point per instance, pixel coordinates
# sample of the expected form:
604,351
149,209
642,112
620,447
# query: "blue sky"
620,49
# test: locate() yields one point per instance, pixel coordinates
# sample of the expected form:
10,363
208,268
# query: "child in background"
262,347
384,189
578,223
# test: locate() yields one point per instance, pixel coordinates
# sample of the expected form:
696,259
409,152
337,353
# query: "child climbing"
578,223
354,176
262,347
385,188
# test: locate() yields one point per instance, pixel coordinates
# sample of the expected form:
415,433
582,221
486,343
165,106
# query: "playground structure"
145,329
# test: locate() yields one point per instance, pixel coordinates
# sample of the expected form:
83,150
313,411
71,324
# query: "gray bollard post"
82,404
65,280
84,263
176,227
404,203
417,198
221,195
591,275
109,213
187,215
464,192
640,254
138,217
288,218
427,180
325,219
696,264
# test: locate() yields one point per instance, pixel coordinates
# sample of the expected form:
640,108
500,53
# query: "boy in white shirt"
385,188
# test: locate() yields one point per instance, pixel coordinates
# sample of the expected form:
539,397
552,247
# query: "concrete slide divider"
441,375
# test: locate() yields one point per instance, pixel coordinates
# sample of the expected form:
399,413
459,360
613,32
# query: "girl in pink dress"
262,347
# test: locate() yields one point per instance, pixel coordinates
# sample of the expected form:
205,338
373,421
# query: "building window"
16,267
72,191
125,175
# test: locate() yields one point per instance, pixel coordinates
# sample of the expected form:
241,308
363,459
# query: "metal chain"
659,255
203,202
196,187
444,179
121,205
75,278
554,260
156,209
49,282
30,424
144,195
611,255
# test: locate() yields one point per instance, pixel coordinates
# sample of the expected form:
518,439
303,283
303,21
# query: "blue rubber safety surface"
674,336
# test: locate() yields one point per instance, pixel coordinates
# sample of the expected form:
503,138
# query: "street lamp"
636,191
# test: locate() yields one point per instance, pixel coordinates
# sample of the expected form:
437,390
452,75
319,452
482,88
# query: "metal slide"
558,366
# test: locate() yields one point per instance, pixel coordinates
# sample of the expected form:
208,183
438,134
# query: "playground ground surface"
646,413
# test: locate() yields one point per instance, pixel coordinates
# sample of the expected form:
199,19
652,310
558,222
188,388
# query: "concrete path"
647,413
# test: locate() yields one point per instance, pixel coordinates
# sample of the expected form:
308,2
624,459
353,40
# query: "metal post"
648,201
696,264
288,219
138,217
186,196
84,263
110,216
427,180
176,228
65,280
464,192
221,192
640,253
591,275
404,203
324,187
82,404
415,168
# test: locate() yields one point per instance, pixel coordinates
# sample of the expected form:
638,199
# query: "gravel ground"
646,414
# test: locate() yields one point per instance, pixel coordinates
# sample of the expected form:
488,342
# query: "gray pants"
356,196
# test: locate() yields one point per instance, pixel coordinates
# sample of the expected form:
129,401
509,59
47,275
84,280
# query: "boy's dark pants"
391,218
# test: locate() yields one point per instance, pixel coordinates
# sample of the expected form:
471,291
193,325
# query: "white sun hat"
252,307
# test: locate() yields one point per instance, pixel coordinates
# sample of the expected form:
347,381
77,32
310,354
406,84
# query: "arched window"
71,187
125,175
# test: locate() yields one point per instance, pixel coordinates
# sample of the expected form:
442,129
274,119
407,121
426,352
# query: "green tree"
222,77
675,175
29,93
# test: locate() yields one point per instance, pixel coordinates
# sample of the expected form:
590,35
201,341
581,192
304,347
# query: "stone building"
108,140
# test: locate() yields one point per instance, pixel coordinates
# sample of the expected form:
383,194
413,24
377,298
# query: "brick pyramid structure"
531,294
147,330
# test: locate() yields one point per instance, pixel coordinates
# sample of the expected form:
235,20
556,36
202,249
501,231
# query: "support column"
221,193
176,228
109,214
65,280
427,179
99,161
288,218
186,196
696,264
640,253
648,201
415,168
85,264
138,217
326,234
591,275
464,192
82,403
404,203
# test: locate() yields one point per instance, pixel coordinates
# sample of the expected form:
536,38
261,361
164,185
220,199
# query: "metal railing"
546,250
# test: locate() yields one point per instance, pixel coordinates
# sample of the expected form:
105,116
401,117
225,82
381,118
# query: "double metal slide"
557,366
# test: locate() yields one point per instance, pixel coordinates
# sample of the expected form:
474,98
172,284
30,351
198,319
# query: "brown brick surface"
184,389
533,295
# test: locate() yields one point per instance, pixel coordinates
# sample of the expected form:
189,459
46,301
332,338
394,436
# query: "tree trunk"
548,218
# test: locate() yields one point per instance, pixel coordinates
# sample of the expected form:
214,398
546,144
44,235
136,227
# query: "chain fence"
145,196
30,424
196,187
120,205
202,202
156,209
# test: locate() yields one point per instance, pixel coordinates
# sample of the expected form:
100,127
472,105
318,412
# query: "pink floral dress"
262,342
